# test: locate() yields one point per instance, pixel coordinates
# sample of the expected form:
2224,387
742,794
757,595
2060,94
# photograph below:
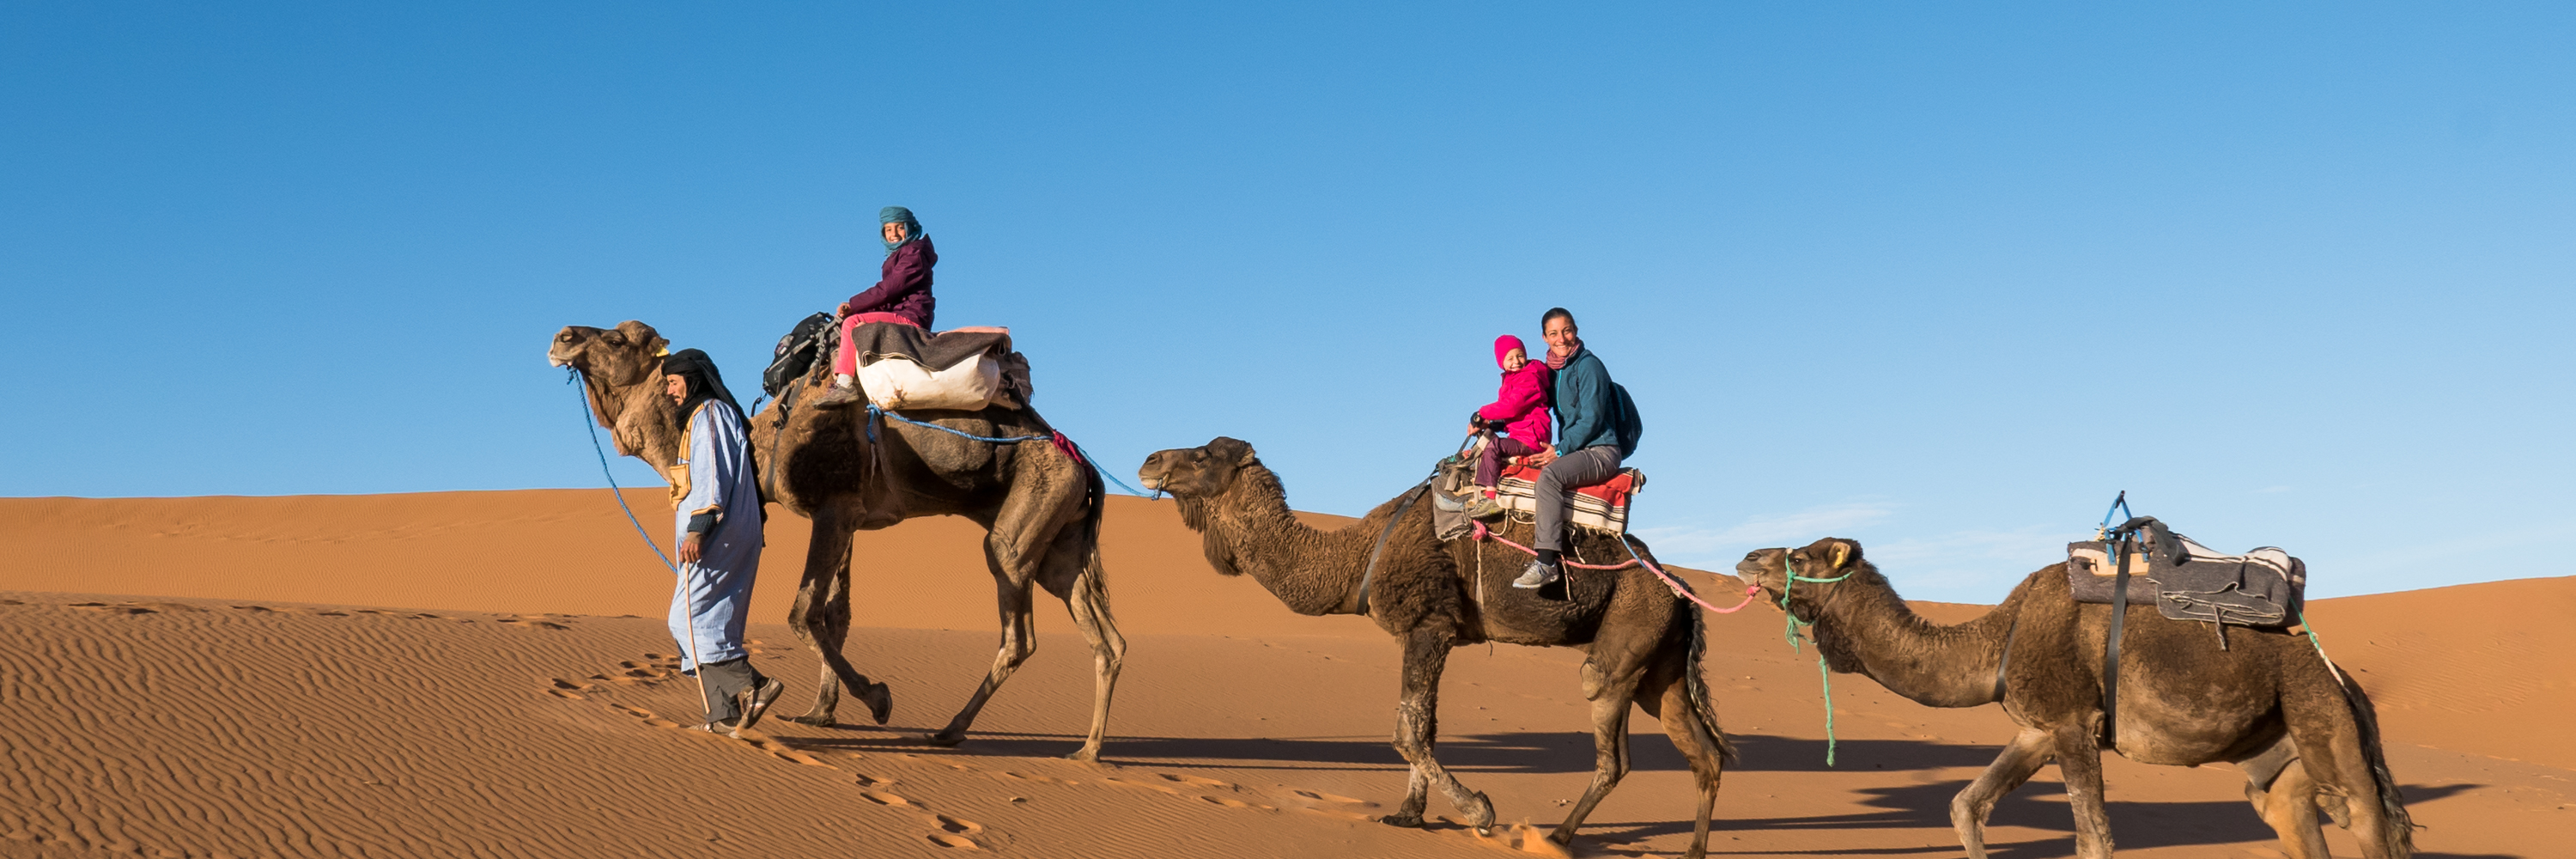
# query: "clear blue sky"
1940,277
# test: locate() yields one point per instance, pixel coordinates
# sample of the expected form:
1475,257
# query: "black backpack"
1631,427
795,353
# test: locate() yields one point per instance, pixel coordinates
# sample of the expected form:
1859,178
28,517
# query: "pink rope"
1750,591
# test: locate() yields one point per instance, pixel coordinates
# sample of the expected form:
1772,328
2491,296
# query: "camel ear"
1238,449
1845,552
644,336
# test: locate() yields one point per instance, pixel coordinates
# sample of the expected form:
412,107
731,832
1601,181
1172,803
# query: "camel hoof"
1482,818
819,720
1408,821
880,701
1086,755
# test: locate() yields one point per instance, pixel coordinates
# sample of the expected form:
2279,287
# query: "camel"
2305,734
1040,505
1643,642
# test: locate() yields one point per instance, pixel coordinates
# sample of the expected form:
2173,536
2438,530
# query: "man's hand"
844,311
1546,454
692,547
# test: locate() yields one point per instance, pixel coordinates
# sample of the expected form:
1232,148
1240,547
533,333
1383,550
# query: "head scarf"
704,383
899,215
1504,345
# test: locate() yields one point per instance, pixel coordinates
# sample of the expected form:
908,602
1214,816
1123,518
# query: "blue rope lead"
873,412
1095,466
587,420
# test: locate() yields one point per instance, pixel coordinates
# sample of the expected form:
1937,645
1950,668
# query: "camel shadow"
1539,752
2037,805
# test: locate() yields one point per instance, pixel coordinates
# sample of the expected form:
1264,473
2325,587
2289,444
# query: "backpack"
795,353
1630,427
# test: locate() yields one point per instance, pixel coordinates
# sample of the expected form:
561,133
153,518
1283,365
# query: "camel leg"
2331,756
2289,805
2028,751
1612,694
821,619
1417,731
1664,696
1019,640
1089,602
2079,762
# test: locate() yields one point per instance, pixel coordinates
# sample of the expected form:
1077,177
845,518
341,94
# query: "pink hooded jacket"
1521,406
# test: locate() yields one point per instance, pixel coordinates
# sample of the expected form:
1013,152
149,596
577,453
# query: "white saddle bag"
898,384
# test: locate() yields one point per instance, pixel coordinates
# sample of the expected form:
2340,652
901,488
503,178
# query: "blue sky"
1943,278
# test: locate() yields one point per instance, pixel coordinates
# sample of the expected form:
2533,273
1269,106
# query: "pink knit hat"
1504,345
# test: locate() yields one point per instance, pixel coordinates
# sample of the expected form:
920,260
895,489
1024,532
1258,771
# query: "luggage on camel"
795,353
2188,581
904,368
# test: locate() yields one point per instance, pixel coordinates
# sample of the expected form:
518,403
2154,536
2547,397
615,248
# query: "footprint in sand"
1152,787
1196,781
883,798
956,841
1035,778
1321,796
255,608
956,826
567,689
866,780
1234,803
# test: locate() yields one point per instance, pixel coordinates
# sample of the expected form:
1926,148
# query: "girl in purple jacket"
1518,418
902,295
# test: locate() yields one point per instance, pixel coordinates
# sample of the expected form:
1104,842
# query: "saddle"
1600,507
2188,581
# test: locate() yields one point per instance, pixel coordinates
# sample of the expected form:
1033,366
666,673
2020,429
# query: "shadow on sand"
2039,805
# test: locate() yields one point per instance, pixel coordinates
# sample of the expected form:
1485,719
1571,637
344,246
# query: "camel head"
1202,477
621,368
1813,602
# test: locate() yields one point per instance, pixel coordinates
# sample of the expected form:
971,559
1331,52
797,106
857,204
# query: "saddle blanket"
1602,506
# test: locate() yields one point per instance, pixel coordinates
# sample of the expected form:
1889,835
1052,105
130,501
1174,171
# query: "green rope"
1826,678
1824,675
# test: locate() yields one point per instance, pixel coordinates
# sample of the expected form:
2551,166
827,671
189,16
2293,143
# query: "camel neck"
1933,664
1312,571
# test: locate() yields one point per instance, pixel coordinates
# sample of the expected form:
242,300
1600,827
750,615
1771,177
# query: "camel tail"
1095,502
1693,683
2397,828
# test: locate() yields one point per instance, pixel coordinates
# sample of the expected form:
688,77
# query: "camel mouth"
1150,484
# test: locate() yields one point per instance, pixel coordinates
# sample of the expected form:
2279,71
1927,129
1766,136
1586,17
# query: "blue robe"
713,599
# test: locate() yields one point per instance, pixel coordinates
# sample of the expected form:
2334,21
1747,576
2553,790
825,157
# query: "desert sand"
487,674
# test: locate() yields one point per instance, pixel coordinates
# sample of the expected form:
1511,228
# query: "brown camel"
2305,734
1040,506
1642,641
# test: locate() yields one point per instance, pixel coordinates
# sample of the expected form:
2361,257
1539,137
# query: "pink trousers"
845,360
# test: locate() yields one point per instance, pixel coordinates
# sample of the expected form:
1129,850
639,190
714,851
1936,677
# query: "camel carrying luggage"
2189,581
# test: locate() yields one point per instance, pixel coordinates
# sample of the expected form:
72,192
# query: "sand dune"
446,674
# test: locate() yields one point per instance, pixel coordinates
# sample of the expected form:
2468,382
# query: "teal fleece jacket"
1586,412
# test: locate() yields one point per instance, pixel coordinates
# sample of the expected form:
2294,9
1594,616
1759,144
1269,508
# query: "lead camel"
1039,506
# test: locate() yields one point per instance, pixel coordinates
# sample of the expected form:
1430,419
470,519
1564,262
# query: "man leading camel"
716,504
1597,428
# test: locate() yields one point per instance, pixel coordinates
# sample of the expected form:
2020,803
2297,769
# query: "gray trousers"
1581,468
724,681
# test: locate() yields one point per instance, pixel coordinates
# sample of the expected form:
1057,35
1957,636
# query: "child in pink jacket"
1518,417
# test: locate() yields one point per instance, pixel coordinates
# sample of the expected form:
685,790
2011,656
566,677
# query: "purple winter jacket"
903,287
